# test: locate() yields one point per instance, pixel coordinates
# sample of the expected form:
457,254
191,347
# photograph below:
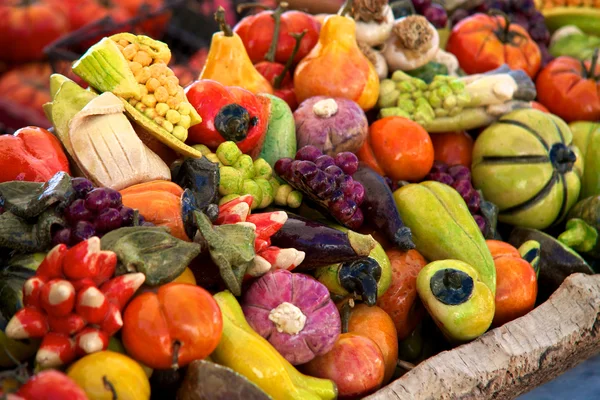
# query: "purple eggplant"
379,208
322,245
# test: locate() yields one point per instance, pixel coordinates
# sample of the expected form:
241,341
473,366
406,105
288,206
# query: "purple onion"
464,187
441,177
480,222
83,230
459,172
97,200
282,166
324,162
76,211
309,299
308,153
108,220
347,161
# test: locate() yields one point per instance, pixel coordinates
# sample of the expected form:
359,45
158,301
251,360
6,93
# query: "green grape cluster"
240,175
409,97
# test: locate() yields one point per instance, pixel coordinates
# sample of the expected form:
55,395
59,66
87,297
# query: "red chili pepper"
31,154
228,113
90,340
120,289
267,224
31,291
28,322
67,325
92,305
282,258
57,297
261,244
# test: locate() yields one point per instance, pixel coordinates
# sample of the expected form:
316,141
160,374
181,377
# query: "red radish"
261,244
355,364
267,224
82,284
57,297
282,258
233,214
92,305
27,323
113,320
67,325
31,291
55,350
258,268
51,267
295,313
121,288
91,340
51,385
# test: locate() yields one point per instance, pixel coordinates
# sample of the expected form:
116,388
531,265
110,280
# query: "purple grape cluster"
459,177
327,181
435,13
521,12
94,212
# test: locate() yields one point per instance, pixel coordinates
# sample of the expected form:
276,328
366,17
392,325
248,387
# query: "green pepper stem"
346,8
579,235
497,13
175,360
220,18
290,60
281,8
591,73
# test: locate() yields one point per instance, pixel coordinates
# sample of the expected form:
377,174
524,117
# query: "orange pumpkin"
160,203
401,301
398,148
483,42
516,283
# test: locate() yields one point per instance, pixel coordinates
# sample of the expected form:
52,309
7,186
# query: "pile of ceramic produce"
332,200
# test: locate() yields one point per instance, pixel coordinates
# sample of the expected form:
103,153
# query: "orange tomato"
516,283
179,322
401,301
399,148
483,42
453,148
378,326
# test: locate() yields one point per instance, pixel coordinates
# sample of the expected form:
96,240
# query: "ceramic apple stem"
290,61
270,56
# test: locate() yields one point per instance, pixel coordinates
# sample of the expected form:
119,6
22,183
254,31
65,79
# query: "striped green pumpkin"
526,165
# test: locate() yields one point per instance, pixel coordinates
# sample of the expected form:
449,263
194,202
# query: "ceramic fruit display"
325,204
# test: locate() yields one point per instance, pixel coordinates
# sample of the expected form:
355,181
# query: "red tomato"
26,27
570,89
179,322
482,42
271,71
256,31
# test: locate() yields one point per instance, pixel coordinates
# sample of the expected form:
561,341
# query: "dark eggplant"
380,209
323,245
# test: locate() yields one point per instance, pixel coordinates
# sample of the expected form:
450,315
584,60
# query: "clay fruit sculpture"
72,303
526,165
355,78
294,313
461,305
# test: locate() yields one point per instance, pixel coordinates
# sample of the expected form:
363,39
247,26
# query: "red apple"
51,385
355,364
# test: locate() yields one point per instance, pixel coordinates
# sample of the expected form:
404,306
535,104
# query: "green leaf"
18,234
29,199
231,248
151,251
12,277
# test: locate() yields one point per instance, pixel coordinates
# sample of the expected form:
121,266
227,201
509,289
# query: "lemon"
100,373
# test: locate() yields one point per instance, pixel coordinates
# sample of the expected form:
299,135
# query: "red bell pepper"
228,113
31,154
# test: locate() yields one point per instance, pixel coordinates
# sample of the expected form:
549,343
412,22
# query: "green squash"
586,136
526,164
